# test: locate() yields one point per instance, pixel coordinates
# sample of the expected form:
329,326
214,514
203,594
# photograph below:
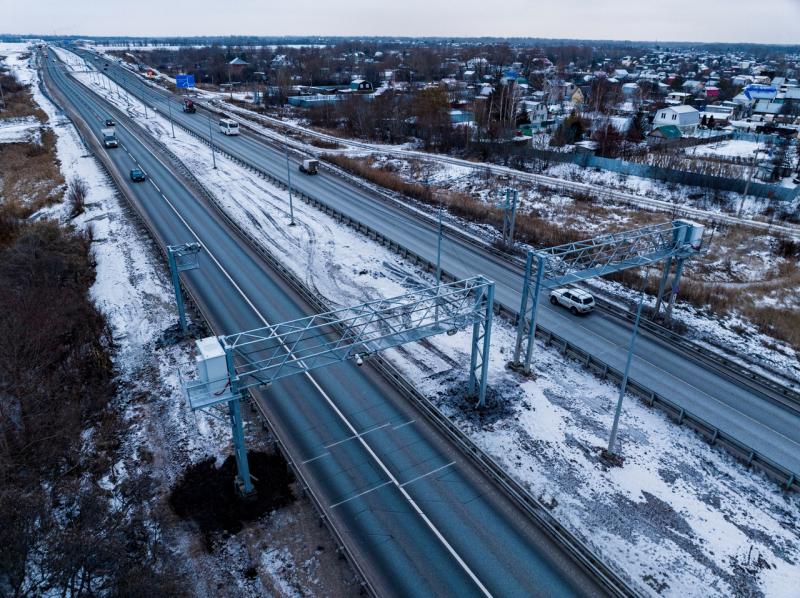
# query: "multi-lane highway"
417,515
735,408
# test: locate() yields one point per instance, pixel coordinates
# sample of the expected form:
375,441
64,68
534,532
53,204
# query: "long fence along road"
411,504
725,400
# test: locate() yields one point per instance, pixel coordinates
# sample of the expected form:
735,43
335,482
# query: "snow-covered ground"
20,130
680,517
731,148
134,291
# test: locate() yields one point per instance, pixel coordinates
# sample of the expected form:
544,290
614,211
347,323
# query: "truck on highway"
110,138
188,106
309,166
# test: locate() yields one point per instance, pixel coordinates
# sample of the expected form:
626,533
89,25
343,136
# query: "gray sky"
765,21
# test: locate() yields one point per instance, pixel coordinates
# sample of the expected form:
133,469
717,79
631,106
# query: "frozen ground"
680,517
282,554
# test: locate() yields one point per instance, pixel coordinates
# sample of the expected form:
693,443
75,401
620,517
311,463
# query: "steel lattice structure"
281,350
259,357
605,254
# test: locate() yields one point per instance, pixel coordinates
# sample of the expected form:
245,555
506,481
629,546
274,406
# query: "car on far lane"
138,175
110,122
575,300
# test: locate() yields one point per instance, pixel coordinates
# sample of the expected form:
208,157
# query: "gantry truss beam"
285,349
605,254
229,365
599,256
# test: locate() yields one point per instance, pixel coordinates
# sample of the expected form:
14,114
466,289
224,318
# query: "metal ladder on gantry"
229,365
573,262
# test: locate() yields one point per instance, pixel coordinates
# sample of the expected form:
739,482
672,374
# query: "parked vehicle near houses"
309,166
577,301
228,126
110,138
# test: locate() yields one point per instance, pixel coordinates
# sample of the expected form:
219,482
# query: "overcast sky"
764,21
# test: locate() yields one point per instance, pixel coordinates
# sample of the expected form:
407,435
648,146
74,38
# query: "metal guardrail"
783,393
609,579
787,478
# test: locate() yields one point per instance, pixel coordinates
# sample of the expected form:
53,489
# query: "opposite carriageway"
478,540
730,405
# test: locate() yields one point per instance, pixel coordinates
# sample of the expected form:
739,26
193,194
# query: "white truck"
110,137
309,166
575,300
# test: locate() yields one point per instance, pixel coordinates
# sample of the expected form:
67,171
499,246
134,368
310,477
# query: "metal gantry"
605,254
229,365
181,258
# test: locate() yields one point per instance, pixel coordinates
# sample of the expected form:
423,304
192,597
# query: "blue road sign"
184,81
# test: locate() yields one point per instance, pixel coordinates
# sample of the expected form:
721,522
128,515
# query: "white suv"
576,300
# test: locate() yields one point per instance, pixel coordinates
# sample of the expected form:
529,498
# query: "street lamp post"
211,142
172,124
613,438
288,178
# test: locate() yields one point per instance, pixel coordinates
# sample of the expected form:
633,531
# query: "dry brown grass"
530,228
30,173
18,100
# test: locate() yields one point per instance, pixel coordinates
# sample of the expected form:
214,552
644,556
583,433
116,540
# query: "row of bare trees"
62,532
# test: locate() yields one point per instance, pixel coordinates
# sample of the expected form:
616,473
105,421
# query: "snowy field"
680,517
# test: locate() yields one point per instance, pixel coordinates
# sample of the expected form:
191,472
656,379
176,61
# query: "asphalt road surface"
418,515
734,408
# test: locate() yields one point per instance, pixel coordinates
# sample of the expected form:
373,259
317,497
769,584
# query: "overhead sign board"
184,81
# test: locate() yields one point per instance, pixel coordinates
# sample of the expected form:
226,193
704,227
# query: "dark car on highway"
110,122
137,175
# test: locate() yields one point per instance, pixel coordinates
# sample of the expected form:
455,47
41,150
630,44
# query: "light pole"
288,177
172,124
211,142
613,438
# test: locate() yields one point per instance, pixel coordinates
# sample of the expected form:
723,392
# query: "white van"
228,126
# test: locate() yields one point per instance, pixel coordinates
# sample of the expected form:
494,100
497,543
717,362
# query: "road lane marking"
360,494
324,395
425,475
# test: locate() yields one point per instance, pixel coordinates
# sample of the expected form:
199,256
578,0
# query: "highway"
765,425
419,517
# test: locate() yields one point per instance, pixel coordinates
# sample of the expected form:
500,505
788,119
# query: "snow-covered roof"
682,109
